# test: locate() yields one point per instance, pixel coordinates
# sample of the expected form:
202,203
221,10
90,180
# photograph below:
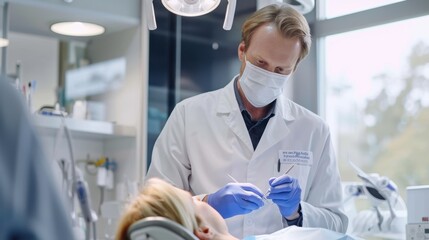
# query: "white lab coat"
205,139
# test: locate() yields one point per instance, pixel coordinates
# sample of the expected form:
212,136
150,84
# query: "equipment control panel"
418,231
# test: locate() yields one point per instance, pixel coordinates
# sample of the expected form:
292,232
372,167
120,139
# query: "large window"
335,8
377,99
373,91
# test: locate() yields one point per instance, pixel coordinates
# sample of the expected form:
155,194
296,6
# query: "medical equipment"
380,191
190,8
78,186
83,197
85,203
232,178
55,110
418,213
159,228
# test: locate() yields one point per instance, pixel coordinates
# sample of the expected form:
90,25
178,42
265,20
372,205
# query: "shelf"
49,125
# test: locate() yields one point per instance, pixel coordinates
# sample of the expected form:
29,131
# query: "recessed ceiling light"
3,42
78,29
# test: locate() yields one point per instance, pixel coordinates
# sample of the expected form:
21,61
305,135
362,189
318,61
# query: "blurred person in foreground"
30,203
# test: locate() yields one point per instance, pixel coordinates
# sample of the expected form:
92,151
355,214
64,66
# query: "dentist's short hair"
289,22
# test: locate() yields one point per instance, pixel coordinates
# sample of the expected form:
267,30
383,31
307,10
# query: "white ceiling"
36,16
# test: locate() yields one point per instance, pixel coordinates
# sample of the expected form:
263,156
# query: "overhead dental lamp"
190,8
302,6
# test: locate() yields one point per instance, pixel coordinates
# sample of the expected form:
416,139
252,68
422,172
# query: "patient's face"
208,215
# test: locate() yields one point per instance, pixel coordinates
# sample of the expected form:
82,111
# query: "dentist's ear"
241,50
204,233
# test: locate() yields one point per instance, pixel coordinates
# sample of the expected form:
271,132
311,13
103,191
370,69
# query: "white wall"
127,104
39,61
121,103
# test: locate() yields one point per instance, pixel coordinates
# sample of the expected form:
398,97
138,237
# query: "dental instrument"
235,180
287,171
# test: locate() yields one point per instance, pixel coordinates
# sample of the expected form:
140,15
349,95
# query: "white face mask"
261,87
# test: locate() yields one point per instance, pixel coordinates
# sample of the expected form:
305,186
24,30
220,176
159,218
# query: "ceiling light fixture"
190,8
77,29
3,42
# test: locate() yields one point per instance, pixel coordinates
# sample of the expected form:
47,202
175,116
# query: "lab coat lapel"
277,128
229,111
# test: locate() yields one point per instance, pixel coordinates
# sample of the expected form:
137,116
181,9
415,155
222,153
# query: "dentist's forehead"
268,43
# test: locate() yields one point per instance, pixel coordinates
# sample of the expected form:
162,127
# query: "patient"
159,198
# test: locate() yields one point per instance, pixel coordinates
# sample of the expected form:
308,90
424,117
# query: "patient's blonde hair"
158,198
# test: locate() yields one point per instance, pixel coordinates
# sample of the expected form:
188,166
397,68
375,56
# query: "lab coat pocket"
301,172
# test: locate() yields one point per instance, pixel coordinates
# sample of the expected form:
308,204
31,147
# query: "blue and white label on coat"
297,157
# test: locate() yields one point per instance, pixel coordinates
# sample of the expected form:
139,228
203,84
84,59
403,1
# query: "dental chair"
159,228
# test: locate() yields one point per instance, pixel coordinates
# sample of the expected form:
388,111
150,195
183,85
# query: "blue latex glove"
235,199
286,193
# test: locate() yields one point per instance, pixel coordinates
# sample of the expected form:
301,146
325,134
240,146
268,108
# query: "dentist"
252,132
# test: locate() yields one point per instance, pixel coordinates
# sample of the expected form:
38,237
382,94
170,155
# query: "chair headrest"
159,228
